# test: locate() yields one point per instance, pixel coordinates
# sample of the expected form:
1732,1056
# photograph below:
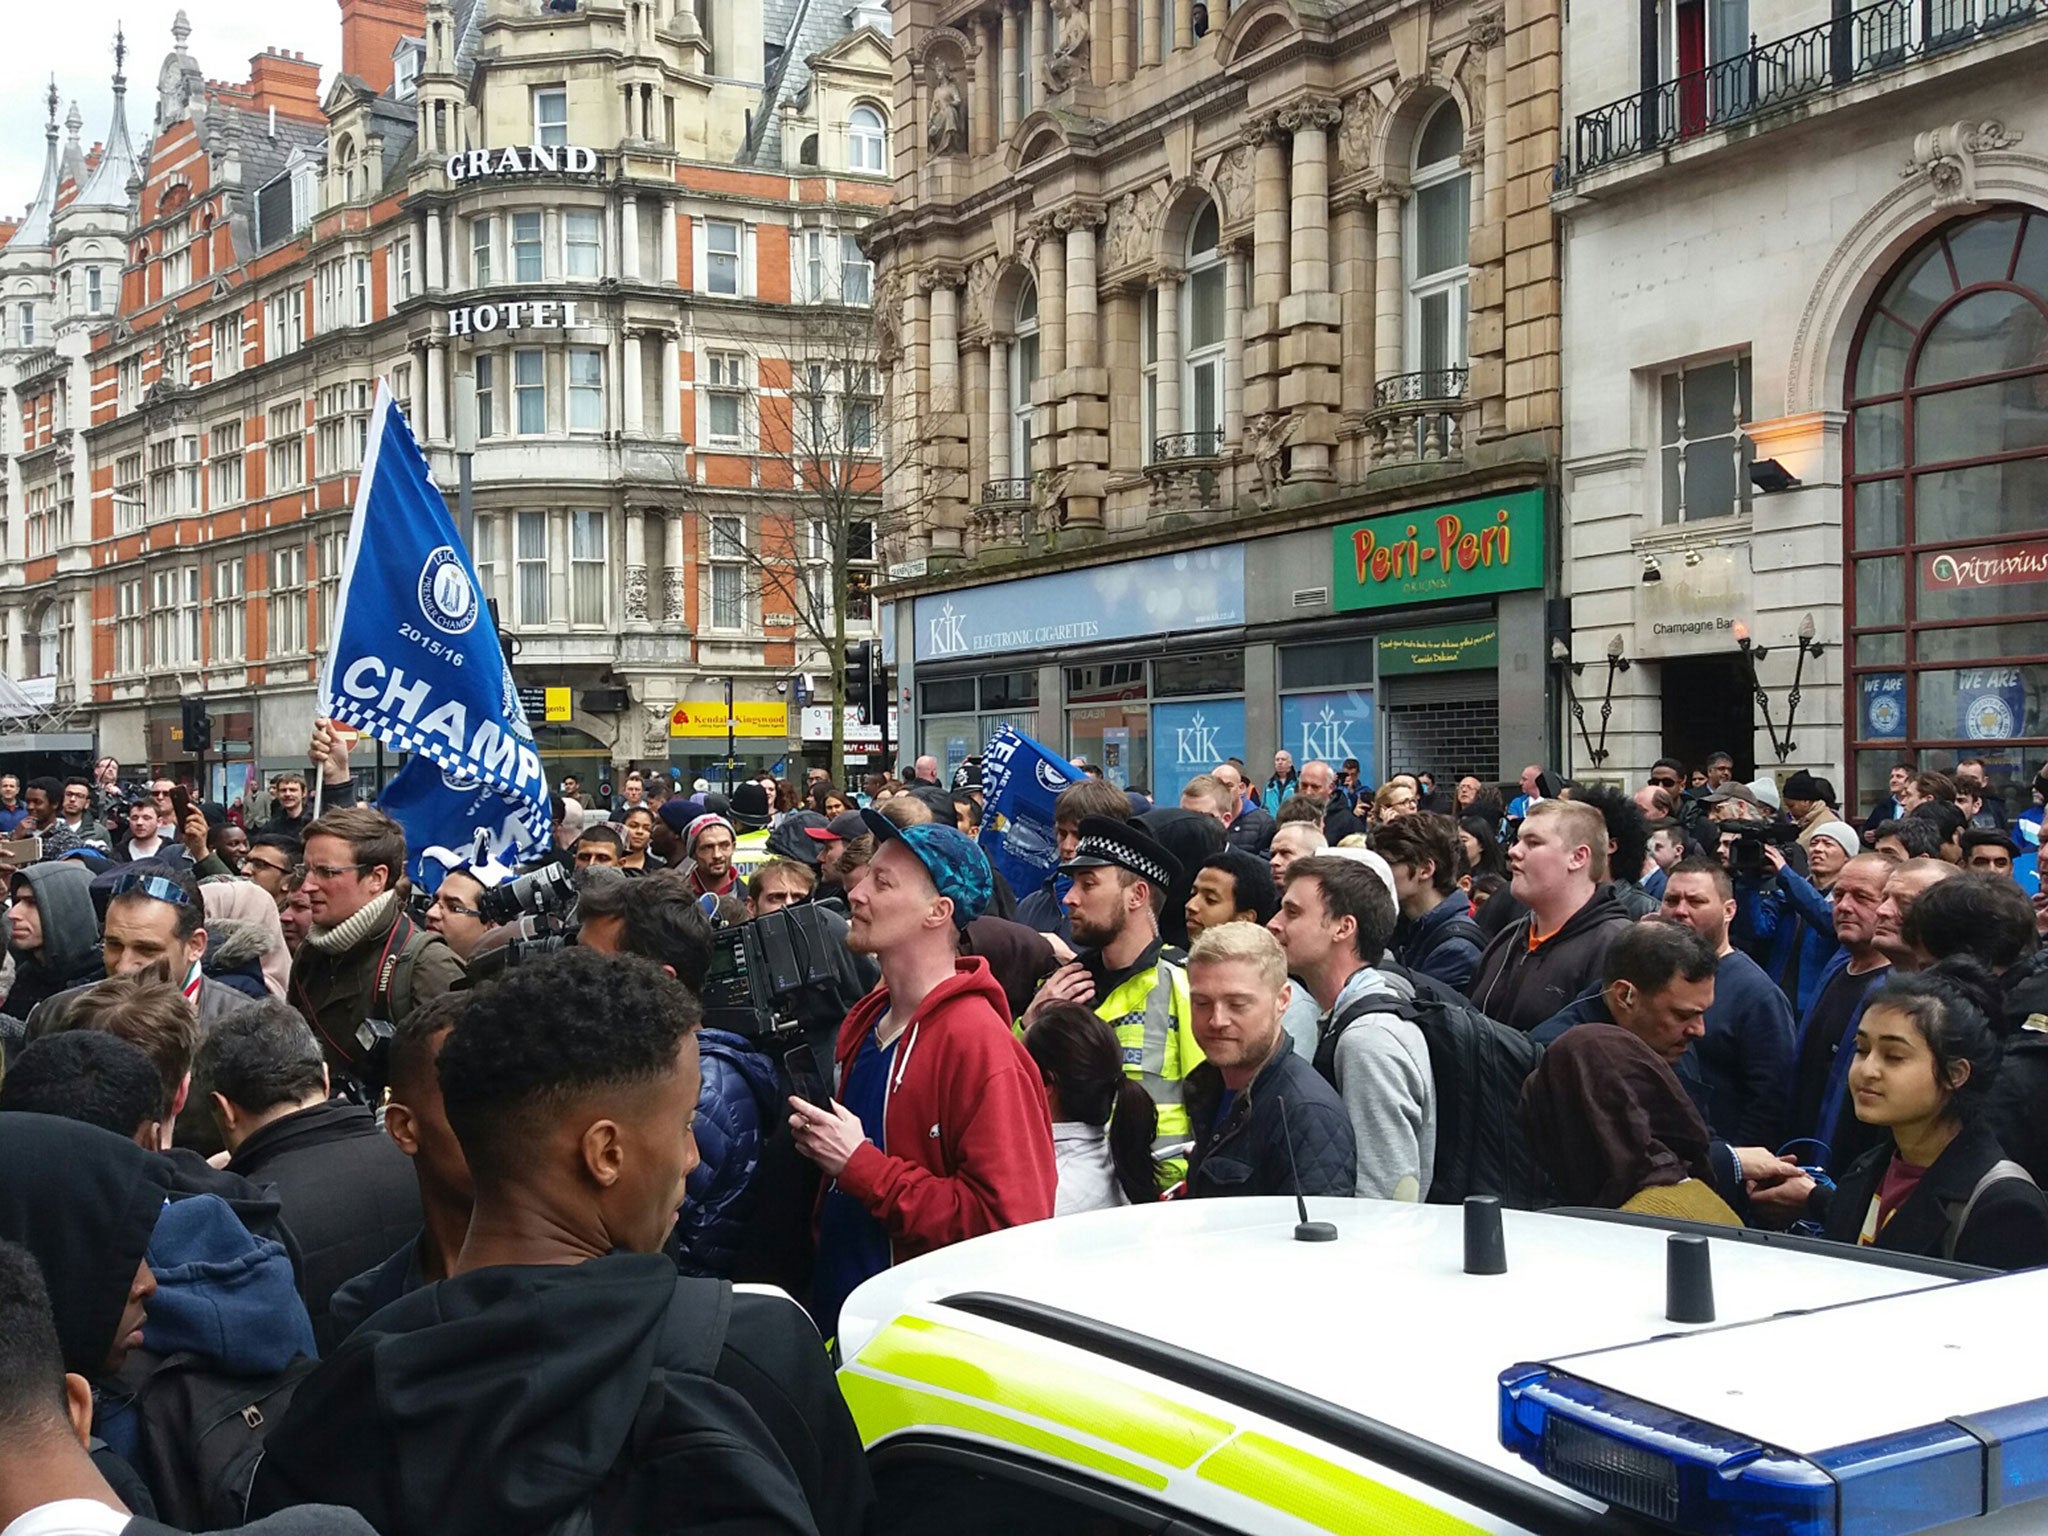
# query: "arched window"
43,649
1201,331
1439,213
807,152
864,135
1023,373
345,156
1946,515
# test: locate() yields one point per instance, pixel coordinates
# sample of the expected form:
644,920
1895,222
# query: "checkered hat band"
1124,857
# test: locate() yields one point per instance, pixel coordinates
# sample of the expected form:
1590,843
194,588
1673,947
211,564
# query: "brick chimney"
286,81
370,29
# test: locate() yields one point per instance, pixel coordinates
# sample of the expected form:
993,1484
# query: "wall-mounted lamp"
1753,653
1692,556
1769,475
1652,571
1616,662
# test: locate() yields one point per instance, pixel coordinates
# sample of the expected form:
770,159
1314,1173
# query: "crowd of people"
338,1205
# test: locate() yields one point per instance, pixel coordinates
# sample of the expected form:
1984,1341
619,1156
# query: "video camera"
761,967
1746,859
549,891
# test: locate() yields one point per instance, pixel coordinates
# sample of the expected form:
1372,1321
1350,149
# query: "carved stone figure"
1133,221
1233,180
1354,137
1947,157
636,592
1068,60
981,283
1489,29
1266,438
945,131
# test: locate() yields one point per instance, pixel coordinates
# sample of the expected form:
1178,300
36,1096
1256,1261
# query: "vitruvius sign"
523,160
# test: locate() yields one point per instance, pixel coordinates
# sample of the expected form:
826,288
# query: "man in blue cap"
939,1129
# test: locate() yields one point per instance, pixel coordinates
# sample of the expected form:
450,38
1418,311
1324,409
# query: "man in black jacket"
1557,950
348,1193
1264,1121
565,1371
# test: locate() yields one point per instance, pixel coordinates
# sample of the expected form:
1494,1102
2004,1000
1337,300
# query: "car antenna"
1305,1231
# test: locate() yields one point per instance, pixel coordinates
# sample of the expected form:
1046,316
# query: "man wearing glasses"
364,957
271,858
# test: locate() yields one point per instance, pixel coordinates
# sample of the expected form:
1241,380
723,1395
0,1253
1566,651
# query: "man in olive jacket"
364,958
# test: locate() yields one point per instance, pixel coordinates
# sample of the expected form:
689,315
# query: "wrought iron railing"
1428,384
1001,493
1187,445
1774,75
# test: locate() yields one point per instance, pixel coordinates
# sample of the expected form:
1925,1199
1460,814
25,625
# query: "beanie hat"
1841,834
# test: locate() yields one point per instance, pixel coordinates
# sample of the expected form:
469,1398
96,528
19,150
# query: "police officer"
1121,877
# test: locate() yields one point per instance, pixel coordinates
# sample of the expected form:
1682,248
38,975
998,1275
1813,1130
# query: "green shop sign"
1451,648
1460,550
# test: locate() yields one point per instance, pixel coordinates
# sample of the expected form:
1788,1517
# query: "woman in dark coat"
1939,1184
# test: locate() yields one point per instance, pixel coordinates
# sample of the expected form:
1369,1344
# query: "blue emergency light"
1703,1480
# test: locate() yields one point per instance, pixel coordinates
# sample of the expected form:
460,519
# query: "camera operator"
657,918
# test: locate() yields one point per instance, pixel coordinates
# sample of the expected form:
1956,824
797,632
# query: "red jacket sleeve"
993,1151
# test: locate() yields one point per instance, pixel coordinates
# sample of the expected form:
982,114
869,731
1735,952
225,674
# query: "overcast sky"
74,39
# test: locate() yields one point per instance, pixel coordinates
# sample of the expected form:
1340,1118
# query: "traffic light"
198,726
860,674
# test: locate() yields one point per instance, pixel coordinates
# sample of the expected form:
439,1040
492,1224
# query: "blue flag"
414,660
448,827
1020,780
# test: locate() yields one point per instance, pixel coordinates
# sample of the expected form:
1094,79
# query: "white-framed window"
723,241
1201,333
230,613
287,601
227,345
27,310
128,381
331,549
816,244
129,505
405,72
1023,374
586,389
866,138
1702,450
285,447
94,298
487,551
38,523
551,116
529,391
401,387
582,242
528,263
224,443
401,269
483,235
305,193
174,616
530,557
130,628
486,394
856,273
341,424
1438,231
191,474
359,291
45,650
725,397
587,567
163,479
728,551
330,284
347,179
177,255
285,315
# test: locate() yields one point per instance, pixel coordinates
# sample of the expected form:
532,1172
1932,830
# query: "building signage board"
1192,738
1473,647
1987,565
514,315
817,726
545,706
707,720
1163,594
523,160
1465,549
1328,727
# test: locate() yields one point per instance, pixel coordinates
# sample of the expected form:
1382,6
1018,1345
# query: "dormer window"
405,69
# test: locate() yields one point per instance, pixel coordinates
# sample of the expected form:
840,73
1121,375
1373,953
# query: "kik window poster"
1192,738
1329,727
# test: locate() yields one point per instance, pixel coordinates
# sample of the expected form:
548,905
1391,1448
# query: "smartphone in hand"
808,1080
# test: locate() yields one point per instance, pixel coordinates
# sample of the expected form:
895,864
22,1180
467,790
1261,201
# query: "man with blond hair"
1557,949
1264,1121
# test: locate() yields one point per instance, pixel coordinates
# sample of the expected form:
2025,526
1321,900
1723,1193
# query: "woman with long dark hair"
1482,847
1102,1121
828,800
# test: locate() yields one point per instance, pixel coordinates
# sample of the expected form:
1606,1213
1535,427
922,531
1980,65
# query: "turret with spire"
92,231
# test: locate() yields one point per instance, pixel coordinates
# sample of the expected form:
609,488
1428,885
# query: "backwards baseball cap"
797,836
1108,842
957,867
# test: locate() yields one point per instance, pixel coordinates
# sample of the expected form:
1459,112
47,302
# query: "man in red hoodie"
940,1130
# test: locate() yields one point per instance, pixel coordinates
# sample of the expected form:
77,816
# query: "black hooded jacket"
503,1401
70,951
1522,988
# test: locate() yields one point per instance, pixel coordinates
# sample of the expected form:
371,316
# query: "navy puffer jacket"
736,1112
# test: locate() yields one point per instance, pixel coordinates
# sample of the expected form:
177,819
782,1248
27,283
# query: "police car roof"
1382,1323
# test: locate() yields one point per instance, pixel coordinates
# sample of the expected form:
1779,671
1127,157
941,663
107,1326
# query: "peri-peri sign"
1434,554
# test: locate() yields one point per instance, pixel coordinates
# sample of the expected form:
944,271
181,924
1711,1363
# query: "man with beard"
929,1070
1121,878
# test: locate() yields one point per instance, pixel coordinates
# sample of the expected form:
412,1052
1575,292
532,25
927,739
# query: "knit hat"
958,867
1766,793
699,827
1841,834
750,806
1804,786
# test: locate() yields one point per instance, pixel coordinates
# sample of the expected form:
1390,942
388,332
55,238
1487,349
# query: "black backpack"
200,1433
1478,1067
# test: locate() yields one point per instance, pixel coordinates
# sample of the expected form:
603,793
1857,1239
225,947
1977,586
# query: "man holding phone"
146,839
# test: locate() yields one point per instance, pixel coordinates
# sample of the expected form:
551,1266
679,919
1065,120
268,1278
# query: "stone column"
988,69
945,339
1166,391
1311,351
1233,343
435,416
672,566
1121,44
1353,277
1084,331
1269,215
1387,288
974,357
666,212
636,565
629,238
1489,32
633,386
1052,299
1100,60
1007,69
671,387
998,424
1041,48
433,255
1309,198
1152,46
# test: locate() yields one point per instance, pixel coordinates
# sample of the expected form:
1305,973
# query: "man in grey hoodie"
1336,916
52,932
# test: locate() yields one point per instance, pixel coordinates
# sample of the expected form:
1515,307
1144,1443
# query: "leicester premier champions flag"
414,662
1020,780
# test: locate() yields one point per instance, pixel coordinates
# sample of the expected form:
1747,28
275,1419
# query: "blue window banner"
1329,727
1192,738
1883,707
1991,703
1163,594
